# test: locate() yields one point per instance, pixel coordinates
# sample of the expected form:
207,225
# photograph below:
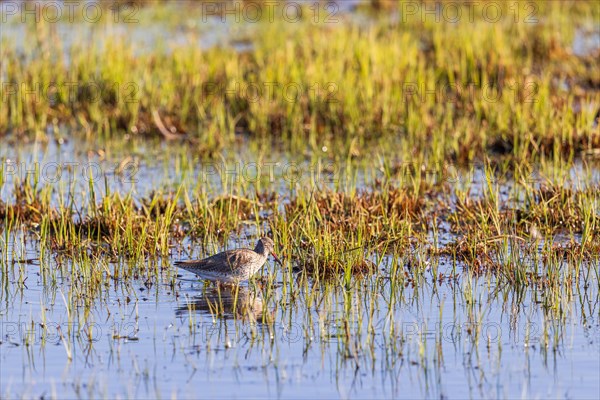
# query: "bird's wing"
219,262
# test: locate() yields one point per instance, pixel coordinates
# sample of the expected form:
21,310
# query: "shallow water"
160,340
174,336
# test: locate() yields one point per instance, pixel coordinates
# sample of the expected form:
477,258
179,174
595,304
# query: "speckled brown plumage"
231,266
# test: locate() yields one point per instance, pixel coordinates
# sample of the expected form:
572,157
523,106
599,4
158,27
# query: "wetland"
429,173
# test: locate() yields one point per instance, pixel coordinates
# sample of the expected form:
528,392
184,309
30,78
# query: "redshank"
232,266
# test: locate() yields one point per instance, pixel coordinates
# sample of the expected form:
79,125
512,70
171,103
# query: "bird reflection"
237,302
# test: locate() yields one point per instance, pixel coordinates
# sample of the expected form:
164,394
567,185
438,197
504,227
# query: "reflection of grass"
497,86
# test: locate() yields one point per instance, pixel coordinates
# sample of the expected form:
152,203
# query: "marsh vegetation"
431,182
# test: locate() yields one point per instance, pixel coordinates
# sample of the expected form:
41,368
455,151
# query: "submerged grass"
324,232
334,232
362,255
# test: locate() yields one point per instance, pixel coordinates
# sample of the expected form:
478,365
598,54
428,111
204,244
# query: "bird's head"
266,246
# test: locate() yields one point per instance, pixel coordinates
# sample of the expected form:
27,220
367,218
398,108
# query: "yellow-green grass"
449,91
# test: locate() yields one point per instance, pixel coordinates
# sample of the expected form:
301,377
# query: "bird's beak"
277,259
